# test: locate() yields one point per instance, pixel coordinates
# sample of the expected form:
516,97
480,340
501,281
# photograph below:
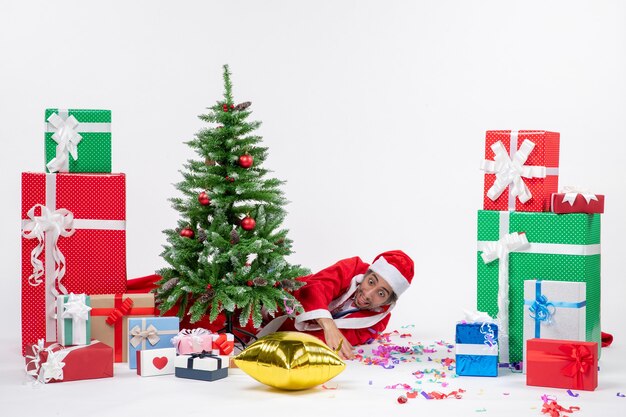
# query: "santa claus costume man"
349,302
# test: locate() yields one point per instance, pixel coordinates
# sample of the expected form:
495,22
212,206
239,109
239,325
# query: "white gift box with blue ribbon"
554,310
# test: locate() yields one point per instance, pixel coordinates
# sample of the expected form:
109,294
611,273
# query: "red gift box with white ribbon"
73,240
521,169
575,200
51,362
567,364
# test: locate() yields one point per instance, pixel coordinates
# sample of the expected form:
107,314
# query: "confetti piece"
370,382
411,394
425,394
619,394
506,393
330,386
572,394
402,399
554,409
481,410
444,384
545,398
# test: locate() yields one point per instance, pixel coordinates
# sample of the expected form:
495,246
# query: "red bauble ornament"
209,286
204,199
248,223
276,284
187,232
225,107
250,283
246,161
229,179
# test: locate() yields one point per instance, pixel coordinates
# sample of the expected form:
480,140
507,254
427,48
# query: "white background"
373,111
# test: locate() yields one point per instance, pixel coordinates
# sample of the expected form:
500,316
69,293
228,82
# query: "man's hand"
334,337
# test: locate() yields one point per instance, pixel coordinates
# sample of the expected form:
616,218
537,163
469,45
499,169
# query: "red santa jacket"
328,290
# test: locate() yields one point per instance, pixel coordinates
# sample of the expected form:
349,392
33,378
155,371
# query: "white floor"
359,390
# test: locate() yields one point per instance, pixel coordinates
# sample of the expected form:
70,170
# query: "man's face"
372,292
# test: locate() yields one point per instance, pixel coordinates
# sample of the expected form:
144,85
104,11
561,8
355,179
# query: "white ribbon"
194,337
52,368
76,309
49,225
138,335
67,139
500,250
572,192
510,170
472,316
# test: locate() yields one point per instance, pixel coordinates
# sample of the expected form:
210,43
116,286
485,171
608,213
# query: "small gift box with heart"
51,362
563,364
156,362
78,140
477,348
575,200
149,333
204,366
73,319
188,341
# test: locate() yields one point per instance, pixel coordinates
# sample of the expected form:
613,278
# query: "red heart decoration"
160,363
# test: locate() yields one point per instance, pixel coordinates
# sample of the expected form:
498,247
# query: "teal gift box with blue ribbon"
554,310
477,349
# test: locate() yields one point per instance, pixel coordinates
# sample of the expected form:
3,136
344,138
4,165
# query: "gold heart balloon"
290,361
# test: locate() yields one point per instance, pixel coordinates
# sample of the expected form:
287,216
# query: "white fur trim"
390,273
314,314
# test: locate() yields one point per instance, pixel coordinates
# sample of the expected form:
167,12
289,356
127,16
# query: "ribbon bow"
151,334
118,313
194,337
75,308
554,409
509,243
572,192
489,334
67,139
52,368
510,171
542,309
203,354
580,360
54,224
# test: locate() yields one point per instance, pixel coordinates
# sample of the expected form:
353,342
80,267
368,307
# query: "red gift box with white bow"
73,240
573,200
521,169
51,362
564,364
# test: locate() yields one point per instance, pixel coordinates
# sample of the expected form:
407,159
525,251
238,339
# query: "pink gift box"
188,341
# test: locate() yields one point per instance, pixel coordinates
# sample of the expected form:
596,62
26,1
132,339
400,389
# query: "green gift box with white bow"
78,140
517,246
73,319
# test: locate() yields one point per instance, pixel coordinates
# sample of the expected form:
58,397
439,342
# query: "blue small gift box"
203,366
149,333
477,349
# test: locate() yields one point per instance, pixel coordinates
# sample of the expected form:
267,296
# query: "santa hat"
396,268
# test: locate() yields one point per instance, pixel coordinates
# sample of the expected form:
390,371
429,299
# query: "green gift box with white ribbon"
78,140
518,246
73,319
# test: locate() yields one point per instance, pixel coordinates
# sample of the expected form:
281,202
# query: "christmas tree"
228,252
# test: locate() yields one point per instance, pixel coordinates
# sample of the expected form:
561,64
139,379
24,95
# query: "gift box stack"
73,243
538,260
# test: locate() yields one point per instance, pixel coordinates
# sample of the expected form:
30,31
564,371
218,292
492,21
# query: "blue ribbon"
542,309
489,334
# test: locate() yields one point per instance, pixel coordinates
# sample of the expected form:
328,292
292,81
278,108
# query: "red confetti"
555,410
411,394
402,399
